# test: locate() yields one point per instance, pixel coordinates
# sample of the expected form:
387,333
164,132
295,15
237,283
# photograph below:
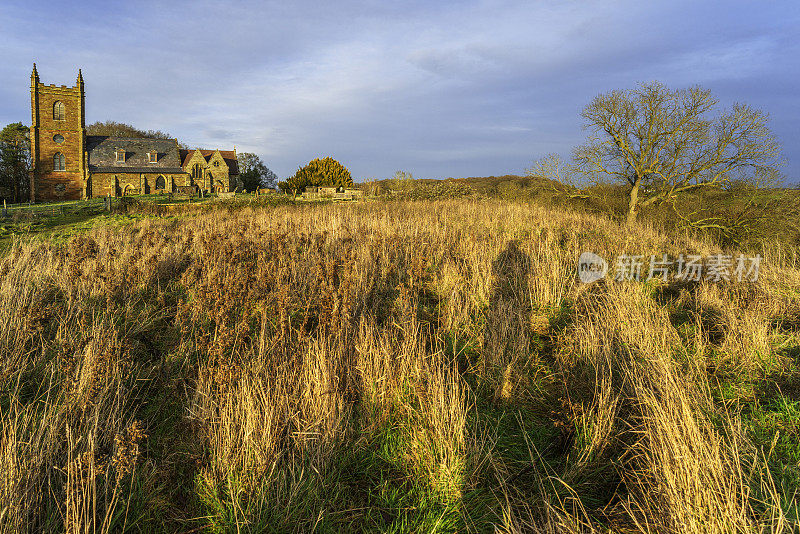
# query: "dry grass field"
391,367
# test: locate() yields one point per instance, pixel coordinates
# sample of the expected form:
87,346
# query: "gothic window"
58,161
59,113
197,173
161,183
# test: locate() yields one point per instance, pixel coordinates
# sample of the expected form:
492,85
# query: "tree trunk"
633,203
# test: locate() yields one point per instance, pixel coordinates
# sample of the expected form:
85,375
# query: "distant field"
387,367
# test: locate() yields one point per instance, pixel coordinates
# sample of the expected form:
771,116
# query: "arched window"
161,183
197,174
59,113
58,161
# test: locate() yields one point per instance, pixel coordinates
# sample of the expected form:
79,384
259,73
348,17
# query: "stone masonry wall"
118,184
51,184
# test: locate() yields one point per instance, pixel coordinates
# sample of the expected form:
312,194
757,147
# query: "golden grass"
260,357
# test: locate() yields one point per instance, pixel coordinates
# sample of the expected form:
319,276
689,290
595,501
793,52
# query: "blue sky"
458,88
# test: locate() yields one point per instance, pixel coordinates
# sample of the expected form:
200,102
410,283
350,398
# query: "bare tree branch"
663,143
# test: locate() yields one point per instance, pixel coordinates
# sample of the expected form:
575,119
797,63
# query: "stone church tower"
67,164
58,137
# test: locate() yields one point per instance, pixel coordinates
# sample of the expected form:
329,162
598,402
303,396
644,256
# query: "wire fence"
52,209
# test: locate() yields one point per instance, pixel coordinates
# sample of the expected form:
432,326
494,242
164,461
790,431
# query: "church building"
67,164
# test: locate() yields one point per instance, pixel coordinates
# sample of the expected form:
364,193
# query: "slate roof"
228,155
139,170
185,155
103,154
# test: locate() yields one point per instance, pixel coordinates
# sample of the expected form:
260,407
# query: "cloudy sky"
436,88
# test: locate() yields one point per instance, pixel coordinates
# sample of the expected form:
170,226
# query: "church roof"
228,155
103,154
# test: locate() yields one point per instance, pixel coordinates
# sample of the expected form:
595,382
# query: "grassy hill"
392,367
735,215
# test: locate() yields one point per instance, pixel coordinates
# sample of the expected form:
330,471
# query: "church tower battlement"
58,137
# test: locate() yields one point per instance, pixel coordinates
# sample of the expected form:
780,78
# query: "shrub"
318,172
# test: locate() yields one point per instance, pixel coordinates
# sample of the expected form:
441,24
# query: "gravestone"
189,190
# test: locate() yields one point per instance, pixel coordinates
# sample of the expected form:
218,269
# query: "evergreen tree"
253,173
15,162
318,172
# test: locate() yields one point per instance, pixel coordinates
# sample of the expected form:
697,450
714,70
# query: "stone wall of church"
51,137
120,184
218,179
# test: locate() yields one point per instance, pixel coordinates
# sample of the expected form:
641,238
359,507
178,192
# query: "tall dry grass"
386,366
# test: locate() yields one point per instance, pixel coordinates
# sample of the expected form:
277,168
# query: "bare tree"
120,129
562,177
402,179
551,167
663,142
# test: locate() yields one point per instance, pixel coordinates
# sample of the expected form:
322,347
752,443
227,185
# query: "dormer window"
120,156
216,164
152,157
